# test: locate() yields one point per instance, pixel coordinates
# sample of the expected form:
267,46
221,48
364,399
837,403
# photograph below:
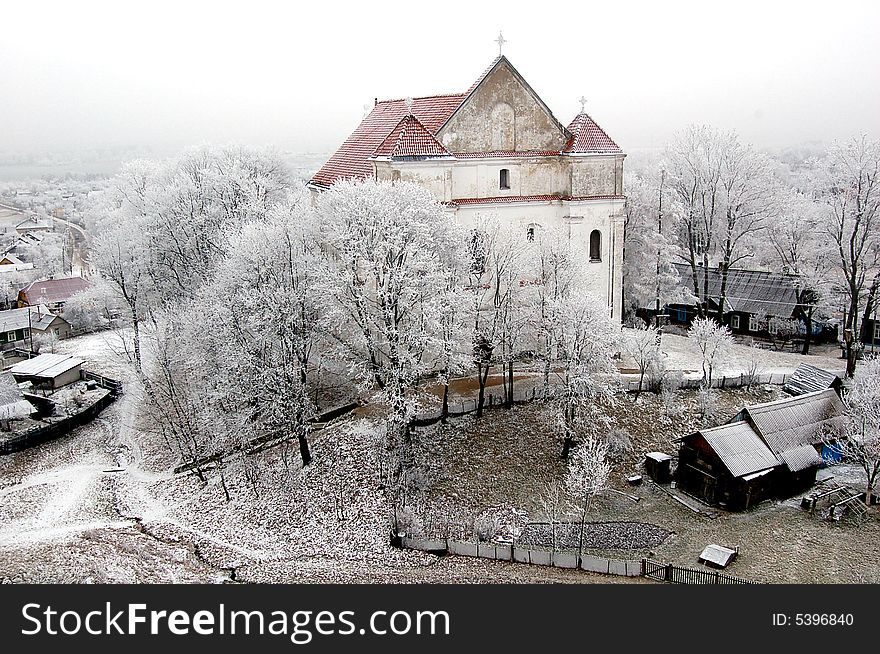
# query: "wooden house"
767,450
758,303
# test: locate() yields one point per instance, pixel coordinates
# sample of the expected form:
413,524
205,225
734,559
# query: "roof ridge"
793,399
422,97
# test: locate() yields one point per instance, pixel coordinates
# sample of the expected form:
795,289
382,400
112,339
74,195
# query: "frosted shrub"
619,444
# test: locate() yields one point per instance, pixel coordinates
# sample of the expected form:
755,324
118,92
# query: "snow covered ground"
103,505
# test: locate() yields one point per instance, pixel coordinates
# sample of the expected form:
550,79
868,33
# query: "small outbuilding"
809,379
49,371
658,466
728,465
13,405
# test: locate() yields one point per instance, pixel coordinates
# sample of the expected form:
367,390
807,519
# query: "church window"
504,179
595,245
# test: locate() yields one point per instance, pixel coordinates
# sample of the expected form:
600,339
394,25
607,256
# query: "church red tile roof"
589,138
352,159
411,139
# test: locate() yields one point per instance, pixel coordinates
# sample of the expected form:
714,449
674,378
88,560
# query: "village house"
11,263
498,149
34,224
17,326
767,450
758,304
52,292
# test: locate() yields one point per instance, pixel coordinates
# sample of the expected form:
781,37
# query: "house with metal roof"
52,292
757,303
767,450
17,326
808,379
497,147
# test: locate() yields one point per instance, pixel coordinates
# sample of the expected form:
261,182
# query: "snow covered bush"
715,343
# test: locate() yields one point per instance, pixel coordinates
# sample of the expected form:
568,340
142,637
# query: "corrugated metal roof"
801,458
807,379
740,448
748,291
59,289
792,422
46,365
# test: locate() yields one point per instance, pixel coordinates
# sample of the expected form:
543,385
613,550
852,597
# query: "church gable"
502,112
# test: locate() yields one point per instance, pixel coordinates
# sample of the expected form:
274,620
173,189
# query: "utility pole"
659,250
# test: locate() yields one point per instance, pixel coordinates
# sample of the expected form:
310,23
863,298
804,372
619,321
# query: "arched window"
504,179
595,245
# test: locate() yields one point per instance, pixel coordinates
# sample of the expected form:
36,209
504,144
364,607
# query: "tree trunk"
444,413
566,447
809,335
509,402
304,450
482,374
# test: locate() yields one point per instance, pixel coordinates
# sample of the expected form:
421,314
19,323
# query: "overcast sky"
167,75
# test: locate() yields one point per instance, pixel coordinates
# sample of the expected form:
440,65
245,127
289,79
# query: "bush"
619,444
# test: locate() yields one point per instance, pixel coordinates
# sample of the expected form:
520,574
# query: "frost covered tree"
496,257
553,261
261,321
587,341
650,248
862,443
587,476
724,193
642,344
852,197
715,344
695,164
800,250
387,248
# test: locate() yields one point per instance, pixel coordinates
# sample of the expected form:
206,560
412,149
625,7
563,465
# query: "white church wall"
596,175
580,219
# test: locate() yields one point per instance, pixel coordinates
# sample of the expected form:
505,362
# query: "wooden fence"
674,574
55,429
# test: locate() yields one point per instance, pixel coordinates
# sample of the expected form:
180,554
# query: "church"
497,148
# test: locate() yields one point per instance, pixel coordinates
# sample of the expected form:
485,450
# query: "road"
79,263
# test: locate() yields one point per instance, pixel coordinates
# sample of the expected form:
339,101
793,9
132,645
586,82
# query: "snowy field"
103,505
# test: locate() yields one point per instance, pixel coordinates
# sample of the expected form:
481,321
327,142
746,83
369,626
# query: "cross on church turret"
583,102
500,41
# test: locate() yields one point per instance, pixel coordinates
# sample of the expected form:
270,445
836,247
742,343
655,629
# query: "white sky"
84,74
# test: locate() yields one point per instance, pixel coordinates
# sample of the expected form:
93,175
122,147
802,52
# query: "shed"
808,379
13,405
657,465
49,370
727,465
